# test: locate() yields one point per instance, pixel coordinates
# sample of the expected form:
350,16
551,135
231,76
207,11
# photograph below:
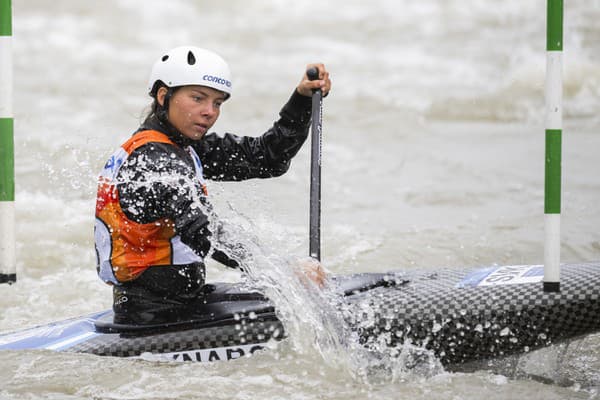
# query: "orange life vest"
126,248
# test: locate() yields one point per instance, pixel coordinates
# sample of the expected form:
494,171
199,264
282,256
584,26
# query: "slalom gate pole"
315,169
552,181
7,165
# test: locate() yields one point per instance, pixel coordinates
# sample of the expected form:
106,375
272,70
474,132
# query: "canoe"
458,315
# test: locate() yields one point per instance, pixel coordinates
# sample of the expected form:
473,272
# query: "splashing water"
319,320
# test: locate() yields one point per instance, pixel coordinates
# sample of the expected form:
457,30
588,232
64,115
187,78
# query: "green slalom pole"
552,184
7,164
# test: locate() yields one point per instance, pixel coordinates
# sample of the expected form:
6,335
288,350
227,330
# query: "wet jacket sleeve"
236,158
156,183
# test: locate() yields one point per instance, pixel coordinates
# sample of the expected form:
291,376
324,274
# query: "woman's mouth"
201,128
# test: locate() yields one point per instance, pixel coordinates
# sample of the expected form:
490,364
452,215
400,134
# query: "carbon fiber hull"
461,315
467,315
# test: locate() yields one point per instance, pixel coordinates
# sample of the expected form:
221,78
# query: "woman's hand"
309,269
306,86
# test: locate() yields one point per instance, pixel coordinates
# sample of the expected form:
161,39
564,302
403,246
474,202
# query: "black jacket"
158,180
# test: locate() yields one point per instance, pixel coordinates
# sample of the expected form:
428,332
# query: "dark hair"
161,111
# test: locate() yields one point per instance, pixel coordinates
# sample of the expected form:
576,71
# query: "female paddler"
152,215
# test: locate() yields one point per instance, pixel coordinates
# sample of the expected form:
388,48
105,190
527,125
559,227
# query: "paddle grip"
312,73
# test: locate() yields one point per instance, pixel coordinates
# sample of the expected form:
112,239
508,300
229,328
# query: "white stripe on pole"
8,258
6,78
552,248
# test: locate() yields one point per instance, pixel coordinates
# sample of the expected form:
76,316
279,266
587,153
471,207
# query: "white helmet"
189,65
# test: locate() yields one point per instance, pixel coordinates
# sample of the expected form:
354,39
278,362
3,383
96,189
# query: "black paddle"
315,169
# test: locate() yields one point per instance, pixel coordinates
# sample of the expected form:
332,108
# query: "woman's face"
193,109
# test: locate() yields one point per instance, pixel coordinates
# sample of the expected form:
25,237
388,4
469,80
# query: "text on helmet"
216,79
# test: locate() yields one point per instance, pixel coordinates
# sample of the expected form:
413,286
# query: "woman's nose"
210,110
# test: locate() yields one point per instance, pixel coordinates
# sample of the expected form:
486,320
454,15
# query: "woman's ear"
160,95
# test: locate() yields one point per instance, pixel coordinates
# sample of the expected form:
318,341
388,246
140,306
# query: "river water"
432,157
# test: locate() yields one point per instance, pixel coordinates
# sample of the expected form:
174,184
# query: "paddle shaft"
315,169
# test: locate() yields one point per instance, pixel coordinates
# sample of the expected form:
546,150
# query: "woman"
152,216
